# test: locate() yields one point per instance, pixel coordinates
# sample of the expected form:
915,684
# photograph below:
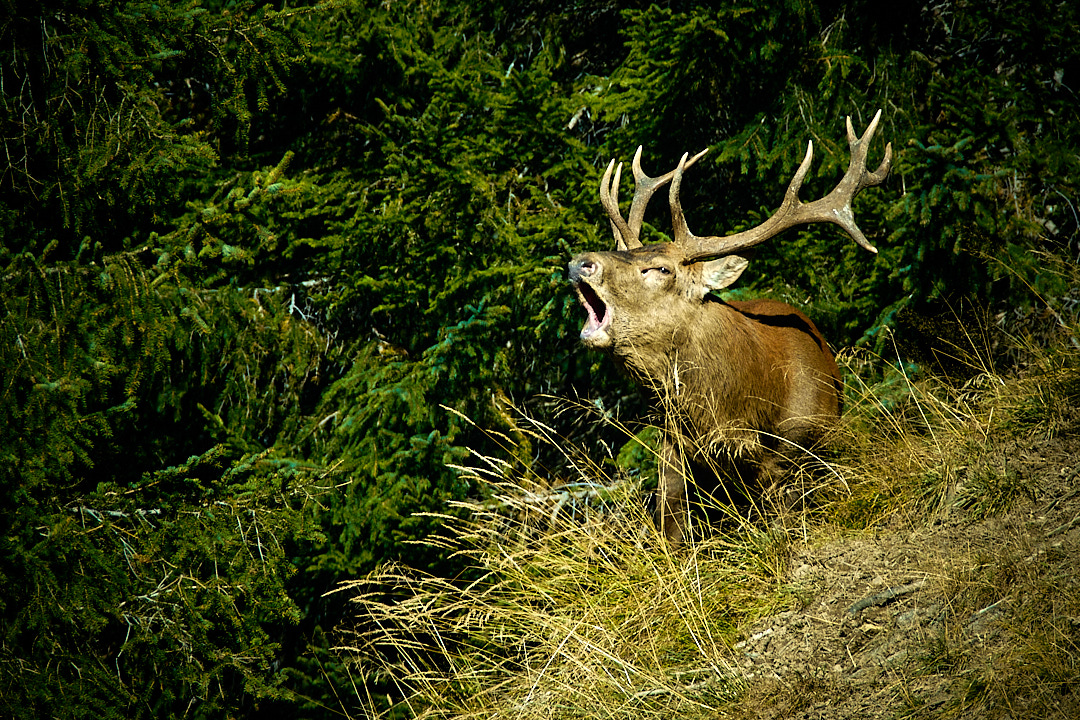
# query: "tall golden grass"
574,607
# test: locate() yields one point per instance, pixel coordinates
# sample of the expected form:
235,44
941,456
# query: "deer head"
691,267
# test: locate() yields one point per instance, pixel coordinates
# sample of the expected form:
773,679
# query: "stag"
745,384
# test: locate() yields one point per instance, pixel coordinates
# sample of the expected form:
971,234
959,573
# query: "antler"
627,233
834,207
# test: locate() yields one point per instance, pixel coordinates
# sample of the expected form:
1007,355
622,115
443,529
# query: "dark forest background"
268,271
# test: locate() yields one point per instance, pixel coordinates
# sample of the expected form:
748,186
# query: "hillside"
945,616
934,576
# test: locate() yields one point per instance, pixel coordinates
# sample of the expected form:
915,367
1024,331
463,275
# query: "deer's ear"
718,274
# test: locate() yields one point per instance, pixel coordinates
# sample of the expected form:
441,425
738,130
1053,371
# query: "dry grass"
927,453
575,607
1012,646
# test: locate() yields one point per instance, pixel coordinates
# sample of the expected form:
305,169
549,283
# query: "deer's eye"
659,268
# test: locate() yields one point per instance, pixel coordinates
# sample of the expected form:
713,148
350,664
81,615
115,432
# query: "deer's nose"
582,267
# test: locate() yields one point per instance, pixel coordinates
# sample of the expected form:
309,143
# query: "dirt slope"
961,618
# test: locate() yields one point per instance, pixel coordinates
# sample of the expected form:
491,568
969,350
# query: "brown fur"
745,383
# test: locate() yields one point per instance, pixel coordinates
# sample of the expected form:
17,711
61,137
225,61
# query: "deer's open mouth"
599,313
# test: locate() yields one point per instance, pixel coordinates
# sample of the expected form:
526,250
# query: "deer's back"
798,356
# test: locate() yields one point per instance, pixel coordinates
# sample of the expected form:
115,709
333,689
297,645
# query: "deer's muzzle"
582,272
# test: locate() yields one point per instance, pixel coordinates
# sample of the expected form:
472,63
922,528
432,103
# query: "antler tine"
628,234
609,198
834,207
859,147
645,186
679,230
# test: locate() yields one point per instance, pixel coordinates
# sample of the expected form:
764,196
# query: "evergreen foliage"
159,598
263,267
108,108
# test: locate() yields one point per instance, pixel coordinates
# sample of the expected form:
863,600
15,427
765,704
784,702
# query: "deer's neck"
707,357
